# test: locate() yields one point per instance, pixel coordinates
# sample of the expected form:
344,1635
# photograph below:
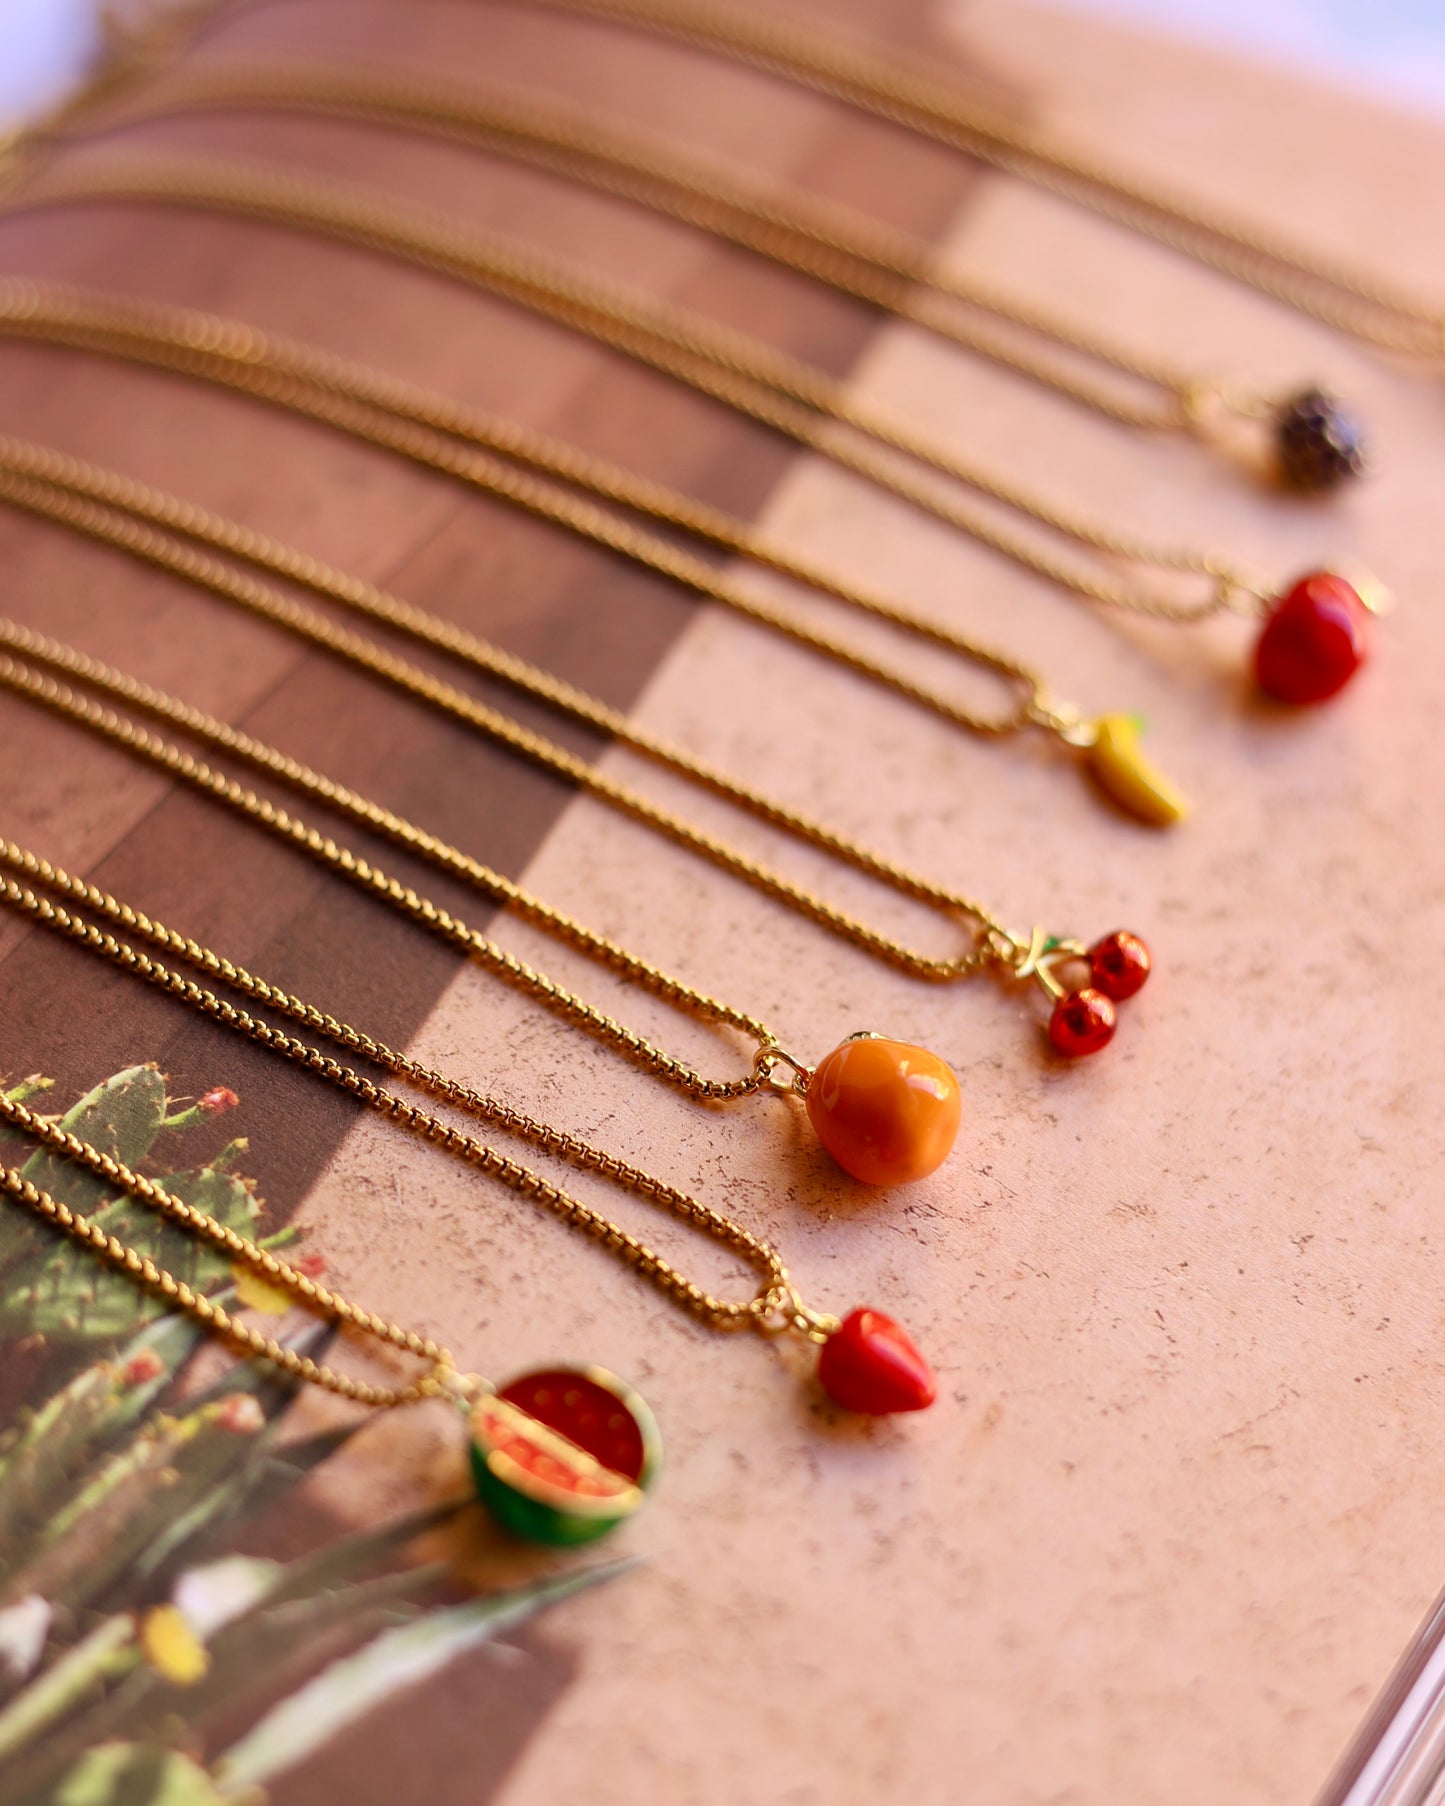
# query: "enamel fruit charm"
1318,445
867,1362
1117,764
563,1455
870,1365
1082,1023
887,1112
1313,642
1083,1018
1119,965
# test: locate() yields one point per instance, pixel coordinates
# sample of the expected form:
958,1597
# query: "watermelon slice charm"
563,1455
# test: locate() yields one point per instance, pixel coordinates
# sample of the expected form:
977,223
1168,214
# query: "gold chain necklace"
764,1309
1314,444
1349,298
887,1111
559,1456
1314,636
311,383
367,406
1081,1020
19,675
498,459
866,1363
744,373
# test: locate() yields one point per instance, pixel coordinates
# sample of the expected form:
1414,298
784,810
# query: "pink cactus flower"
240,1414
142,1368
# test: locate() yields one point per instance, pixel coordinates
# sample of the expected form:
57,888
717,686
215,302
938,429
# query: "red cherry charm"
869,1365
1314,642
1119,965
1082,1023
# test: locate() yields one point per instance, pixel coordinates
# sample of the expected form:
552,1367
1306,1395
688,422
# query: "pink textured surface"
1174,1514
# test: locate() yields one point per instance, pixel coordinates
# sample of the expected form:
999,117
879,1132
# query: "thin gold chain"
30,648
775,1305
70,663
25,460
215,1317
859,256
16,677
111,725
28,866
278,378
1344,296
990,945
741,370
743,373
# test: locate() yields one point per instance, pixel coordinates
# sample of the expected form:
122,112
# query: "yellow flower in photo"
259,1294
171,1647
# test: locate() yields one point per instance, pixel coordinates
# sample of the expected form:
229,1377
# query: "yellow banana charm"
1118,766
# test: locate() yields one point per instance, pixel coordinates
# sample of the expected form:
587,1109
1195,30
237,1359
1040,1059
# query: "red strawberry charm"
1314,642
869,1365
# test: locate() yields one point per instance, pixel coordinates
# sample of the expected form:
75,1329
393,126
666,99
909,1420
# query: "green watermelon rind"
537,1520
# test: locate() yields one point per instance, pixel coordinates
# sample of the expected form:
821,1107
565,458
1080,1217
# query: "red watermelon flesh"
586,1413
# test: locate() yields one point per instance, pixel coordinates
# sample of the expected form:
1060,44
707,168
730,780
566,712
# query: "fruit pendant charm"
1083,1018
1117,764
1314,640
1112,756
867,1362
1318,444
888,1112
870,1365
563,1455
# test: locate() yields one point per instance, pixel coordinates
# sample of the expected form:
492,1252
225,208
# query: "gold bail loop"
1233,595
446,1380
1065,719
1200,402
768,1069
780,1312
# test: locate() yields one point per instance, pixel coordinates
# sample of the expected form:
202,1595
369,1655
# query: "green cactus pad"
122,1116
115,1773
53,1289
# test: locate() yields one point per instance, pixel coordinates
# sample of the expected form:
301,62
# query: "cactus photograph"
151,1652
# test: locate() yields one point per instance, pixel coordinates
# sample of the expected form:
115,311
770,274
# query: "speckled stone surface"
1174,1514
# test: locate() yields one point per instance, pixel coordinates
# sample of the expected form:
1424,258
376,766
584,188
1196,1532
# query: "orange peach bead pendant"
886,1111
